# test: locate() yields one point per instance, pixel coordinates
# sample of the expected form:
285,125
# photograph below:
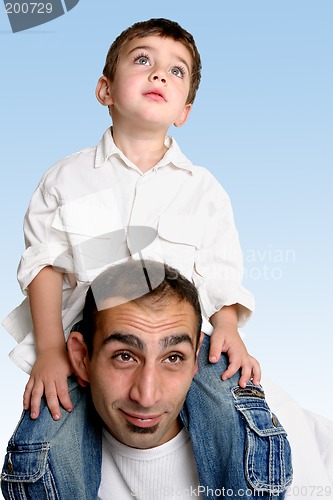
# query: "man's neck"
133,453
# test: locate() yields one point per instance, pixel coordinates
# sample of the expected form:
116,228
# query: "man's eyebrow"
173,340
125,338
134,341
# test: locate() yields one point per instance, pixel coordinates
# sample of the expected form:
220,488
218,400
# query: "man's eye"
123,357
143,60
174,359
178,71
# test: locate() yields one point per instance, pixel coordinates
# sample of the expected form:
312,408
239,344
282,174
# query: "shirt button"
275,421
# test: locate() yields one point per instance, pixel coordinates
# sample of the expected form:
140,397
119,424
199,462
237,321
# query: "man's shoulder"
45,429
45,458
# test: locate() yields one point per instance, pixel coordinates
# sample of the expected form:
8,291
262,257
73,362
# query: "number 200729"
29,8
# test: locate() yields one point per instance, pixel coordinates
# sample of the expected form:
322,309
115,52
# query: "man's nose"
146,387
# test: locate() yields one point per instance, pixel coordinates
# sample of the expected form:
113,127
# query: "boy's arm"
52,367
225,338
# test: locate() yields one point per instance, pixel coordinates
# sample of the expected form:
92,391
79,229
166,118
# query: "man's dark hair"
138,281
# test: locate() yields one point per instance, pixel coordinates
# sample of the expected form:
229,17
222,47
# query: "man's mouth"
142,420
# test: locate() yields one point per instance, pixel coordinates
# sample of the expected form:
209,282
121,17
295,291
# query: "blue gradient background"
262,123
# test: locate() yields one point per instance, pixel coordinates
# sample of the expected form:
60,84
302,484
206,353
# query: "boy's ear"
103,91
78,355
183,117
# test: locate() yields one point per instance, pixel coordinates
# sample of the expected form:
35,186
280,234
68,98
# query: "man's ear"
183,117
103,91
78,355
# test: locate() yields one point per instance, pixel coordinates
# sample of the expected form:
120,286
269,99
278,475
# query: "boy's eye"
143,60
177,71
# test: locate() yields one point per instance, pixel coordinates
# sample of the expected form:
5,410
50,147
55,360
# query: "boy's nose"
158,76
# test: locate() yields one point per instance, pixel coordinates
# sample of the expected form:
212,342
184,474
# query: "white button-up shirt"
80,215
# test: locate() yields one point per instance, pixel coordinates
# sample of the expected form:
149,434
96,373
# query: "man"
130,433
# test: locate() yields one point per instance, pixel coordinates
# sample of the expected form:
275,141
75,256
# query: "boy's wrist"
227,315
58,345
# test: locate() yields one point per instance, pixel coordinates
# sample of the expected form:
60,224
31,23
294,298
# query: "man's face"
142,366
151,83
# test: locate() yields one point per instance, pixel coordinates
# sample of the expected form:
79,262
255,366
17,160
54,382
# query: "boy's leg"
239,445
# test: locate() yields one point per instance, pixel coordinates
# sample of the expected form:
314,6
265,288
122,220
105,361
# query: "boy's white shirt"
77,221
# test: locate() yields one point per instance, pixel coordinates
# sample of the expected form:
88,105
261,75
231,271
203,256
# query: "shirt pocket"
180,236
268,465
95,236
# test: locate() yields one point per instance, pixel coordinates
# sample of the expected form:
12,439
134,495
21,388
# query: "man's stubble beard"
142,430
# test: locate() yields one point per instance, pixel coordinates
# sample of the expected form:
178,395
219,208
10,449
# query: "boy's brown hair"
160,27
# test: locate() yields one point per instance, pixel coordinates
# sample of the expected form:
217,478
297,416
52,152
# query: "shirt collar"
106,148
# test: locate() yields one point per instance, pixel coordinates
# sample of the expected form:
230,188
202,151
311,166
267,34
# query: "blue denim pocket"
268,465
26,474
25,464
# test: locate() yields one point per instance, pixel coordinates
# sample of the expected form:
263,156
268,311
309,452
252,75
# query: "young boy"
80,217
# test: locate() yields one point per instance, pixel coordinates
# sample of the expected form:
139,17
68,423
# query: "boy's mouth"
156,95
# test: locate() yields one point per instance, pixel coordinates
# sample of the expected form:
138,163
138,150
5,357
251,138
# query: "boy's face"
151,84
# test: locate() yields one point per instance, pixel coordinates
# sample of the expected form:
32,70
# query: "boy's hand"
49,377
225,338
